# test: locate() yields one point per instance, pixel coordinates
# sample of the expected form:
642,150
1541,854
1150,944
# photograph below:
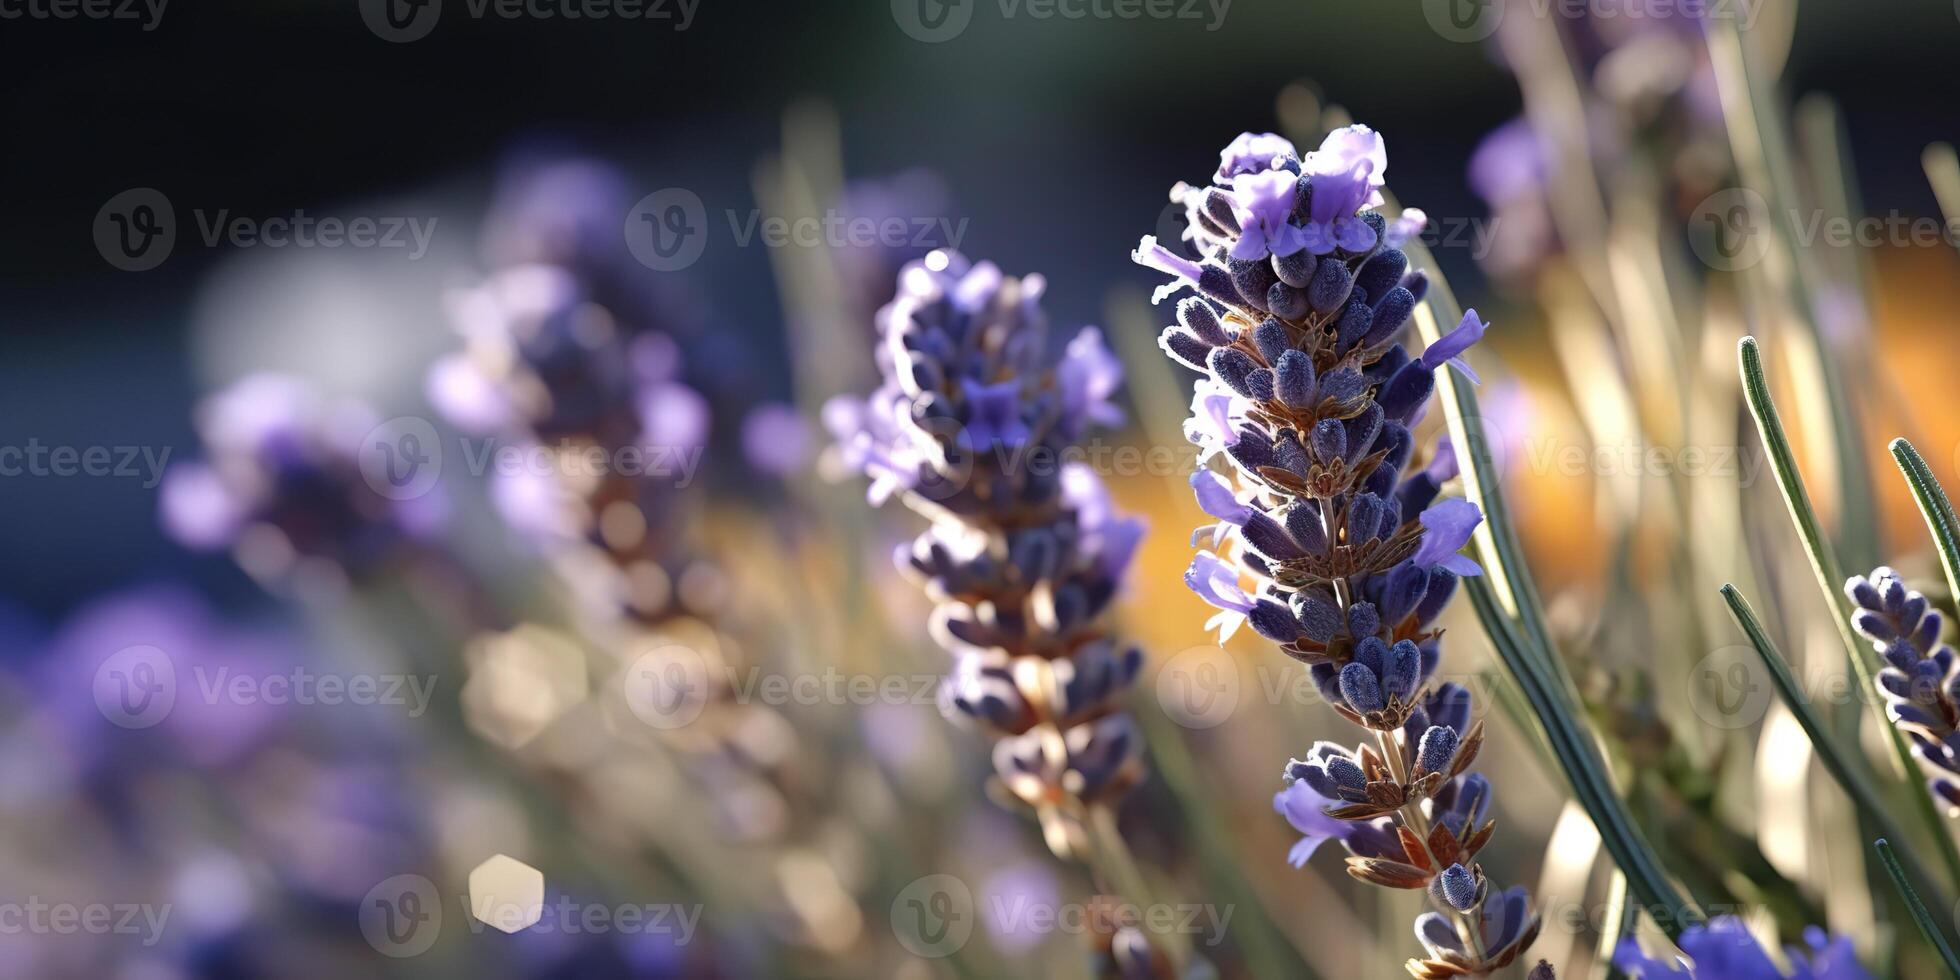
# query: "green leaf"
1846,768
1917,907
1830,579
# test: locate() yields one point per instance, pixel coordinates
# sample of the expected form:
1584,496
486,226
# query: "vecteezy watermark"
38,459
402,21
136,230
402,916
1731,688
149,12
1733,229
668,230
1199,687
38,917
933,21
1475,20
565,917
403,458
933,917
137,687
1551,457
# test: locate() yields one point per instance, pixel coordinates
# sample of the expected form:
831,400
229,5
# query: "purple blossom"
1449,348
1264,205
1306,810
1346,174
1251,153
1724,949
1447,527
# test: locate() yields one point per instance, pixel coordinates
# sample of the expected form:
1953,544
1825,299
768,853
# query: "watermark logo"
1728,689
402,916
1463,20
39,917
933,21
401,459
667,230
136,687
668,687
149,12
136,229
401,21
933,916
1730,229
1199,688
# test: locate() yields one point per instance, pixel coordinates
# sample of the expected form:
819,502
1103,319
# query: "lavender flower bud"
1259,384
1437,750
1329,439
1391,311
1185,348
1456,887
1355,320
1330,287
1295,270
1272,621
1361,689
1232,365
1319,616
1293,379
1287,302
1198,317
1363,620
1382,273
1400,670
1252,280
1272,340
1266,535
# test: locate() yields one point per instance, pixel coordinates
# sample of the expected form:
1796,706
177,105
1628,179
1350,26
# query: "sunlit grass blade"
1846,770
1585,770
1917,907
1935,507
1830,579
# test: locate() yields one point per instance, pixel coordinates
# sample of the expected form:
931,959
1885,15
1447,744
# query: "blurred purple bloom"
775,439
1724,949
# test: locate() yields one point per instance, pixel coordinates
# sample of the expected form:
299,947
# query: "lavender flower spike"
1919,682
1307,394
1024,556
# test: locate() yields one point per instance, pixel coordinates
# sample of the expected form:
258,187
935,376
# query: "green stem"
1830,578
1585,770
1917,907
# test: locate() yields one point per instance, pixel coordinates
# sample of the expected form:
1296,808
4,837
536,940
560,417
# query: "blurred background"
469,708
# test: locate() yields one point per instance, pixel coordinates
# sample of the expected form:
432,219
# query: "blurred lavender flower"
1725,950
562,362
971,427
282,485
1308,394
1918,681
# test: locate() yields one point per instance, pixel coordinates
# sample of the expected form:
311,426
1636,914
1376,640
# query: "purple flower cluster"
972,427
1308,396
1918,681
1724,950
562,366
282,486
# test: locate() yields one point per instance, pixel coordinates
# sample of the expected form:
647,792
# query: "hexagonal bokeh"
507,894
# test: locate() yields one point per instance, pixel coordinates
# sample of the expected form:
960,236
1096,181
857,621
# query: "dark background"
1059,139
